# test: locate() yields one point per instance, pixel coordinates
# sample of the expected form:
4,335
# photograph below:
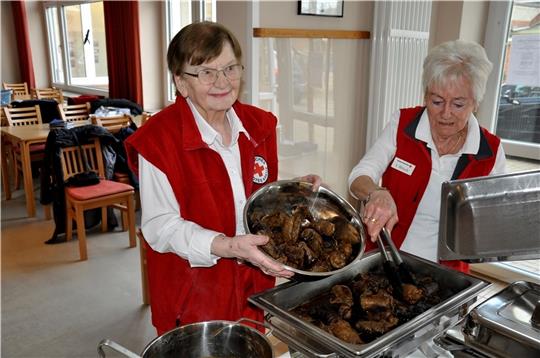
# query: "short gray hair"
457,59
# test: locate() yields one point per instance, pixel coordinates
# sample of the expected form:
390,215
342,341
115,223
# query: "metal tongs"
397,271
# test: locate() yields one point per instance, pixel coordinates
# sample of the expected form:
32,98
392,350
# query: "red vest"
407,190
171,141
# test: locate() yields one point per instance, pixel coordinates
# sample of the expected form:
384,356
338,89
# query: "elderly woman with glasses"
198,161
399,178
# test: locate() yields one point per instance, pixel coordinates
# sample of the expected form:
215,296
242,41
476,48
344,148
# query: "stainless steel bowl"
323,204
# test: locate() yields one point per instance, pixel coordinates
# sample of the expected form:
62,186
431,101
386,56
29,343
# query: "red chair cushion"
104,188
40,147
83,99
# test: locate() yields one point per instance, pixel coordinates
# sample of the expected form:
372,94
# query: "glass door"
518,109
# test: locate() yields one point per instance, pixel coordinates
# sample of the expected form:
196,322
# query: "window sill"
505,273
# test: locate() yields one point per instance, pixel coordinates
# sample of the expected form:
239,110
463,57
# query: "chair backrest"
20,90
3,118
73,161
23,116
145,116
50,93
74,112
112,124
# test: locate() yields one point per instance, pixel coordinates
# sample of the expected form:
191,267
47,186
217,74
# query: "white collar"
210,135
472,141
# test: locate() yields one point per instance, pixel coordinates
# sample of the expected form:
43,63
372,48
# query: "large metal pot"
216,339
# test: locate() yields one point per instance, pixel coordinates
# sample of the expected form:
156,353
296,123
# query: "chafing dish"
399,342
501,326
495,218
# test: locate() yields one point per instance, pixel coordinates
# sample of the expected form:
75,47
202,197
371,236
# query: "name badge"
403,166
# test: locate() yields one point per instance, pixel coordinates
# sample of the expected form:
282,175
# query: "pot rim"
224,322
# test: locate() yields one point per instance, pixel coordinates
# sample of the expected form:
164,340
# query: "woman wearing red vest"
422,147
198,160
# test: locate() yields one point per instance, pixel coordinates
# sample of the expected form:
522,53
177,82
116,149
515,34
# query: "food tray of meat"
313,233
355,313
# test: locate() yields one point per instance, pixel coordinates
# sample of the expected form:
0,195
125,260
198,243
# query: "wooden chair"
106,193
20,90
49,93
24,116
74,112
113,124
145,116
144,271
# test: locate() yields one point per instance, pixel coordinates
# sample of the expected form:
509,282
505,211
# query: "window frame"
66,84
198,11
497,27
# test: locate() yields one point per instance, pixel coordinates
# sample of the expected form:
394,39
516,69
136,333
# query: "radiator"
399,45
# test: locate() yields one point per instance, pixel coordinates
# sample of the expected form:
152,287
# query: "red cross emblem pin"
260,170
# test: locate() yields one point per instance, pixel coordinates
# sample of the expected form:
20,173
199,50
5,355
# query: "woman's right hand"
245,247
380,211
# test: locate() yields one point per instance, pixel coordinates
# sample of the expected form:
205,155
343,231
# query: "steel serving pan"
399,342
494,218
323,204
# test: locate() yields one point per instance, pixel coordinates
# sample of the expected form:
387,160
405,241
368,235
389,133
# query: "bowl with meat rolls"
312,233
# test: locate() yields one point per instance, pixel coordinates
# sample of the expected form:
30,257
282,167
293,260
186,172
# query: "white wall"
153,49
453,20
38,43
357,15
35,13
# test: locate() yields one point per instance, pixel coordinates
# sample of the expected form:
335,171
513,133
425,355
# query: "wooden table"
24,137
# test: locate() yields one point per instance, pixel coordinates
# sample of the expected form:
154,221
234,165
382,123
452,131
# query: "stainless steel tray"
279,301
494,218
501,326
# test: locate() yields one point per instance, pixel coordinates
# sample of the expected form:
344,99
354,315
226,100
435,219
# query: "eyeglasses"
209,76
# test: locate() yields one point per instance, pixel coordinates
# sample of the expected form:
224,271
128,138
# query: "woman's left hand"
313,179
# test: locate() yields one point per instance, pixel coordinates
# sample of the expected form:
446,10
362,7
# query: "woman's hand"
380,211
313,179
245,247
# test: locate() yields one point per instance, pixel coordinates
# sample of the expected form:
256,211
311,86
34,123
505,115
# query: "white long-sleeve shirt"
423,234
162,224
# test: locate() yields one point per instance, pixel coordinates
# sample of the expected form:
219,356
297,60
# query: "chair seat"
104,188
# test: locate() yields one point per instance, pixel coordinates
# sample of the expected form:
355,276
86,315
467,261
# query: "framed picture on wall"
332,8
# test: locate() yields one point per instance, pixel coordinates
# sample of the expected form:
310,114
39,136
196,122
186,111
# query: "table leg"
27,178
5,171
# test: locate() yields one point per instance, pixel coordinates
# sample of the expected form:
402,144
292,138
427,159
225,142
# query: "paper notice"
524,67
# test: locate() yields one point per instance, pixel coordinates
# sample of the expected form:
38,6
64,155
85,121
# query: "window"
77,46
512,105
180,14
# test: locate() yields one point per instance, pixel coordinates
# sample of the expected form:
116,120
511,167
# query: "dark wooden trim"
309,33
